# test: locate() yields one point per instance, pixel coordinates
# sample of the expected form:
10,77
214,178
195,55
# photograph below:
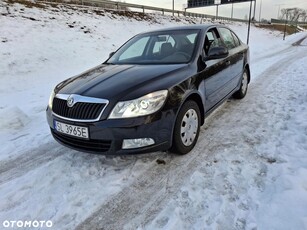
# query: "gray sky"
269,8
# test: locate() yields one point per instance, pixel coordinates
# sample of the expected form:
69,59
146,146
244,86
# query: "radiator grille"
80,111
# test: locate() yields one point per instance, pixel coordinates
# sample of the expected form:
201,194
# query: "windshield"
165,47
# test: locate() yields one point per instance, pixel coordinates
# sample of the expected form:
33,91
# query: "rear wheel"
186,129
244,86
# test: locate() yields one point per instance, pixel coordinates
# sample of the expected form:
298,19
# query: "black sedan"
153,93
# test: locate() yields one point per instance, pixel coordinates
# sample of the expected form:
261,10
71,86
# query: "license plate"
72,130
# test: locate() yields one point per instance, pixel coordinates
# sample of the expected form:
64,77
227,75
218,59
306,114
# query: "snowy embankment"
247,171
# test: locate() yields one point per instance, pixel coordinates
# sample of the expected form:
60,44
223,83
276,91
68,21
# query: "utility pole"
285,29
173,7
260,11
249,21
232,10
254,17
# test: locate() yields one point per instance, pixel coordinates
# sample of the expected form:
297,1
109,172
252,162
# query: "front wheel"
243,88
186,129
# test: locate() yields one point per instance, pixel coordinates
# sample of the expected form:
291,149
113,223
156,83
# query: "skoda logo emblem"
70,101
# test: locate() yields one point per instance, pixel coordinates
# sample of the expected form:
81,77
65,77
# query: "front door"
216,73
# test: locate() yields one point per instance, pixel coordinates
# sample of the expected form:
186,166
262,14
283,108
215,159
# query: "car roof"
187,27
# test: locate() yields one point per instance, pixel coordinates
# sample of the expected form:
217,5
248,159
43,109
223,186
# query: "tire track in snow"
16,167
140,202
148,194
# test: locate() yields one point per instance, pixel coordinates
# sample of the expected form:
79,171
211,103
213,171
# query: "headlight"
52,95
145,105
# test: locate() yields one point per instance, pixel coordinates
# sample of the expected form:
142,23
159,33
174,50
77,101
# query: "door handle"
227,62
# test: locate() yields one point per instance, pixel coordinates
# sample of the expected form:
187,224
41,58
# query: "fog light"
137,143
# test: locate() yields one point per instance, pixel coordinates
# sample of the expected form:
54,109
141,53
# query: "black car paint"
209,83
102,82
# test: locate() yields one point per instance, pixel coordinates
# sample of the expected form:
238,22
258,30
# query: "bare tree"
293,14
304,16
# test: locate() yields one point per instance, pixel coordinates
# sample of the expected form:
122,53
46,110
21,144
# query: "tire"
243,88
186,129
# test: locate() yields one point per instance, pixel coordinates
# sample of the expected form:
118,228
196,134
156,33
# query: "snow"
286,198
13,118
263,186
247,171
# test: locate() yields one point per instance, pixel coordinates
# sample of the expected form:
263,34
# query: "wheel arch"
194,96
175,146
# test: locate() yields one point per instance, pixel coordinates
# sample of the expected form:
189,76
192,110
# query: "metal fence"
278,21
123,6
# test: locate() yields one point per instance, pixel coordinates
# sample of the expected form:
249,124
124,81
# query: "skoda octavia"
153,93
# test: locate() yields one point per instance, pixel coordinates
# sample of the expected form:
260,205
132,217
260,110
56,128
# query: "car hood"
117,81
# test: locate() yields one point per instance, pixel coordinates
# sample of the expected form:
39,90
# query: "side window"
228,38
237,41
135,50
212,39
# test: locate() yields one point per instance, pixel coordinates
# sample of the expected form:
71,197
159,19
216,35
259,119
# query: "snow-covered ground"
248,170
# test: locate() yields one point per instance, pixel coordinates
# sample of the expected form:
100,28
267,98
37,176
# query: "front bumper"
106,137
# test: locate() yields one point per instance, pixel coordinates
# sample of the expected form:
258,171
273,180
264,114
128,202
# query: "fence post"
162,11
143,9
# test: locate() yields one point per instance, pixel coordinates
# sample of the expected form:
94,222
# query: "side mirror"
217,53
111,54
